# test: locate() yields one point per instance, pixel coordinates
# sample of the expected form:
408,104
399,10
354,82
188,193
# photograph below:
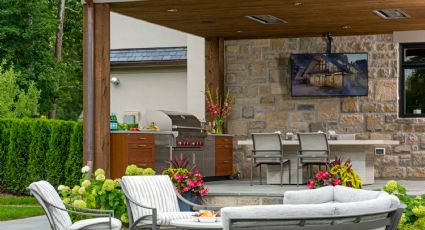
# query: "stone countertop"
334,142
146,131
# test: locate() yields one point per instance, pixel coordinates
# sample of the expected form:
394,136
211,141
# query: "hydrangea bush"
413,217
338,173
95,191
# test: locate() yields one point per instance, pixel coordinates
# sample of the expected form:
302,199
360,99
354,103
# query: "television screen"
329,74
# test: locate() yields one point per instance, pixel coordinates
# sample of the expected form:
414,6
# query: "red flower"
336,182
311,184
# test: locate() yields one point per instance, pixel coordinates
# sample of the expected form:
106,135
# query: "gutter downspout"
90,83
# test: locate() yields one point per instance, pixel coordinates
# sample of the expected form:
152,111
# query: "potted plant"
219,109
188,182
337,173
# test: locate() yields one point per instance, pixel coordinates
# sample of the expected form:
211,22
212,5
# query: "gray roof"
140,55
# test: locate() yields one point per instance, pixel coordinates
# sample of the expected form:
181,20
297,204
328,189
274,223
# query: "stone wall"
258,74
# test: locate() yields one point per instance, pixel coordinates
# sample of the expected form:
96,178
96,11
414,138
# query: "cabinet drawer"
223,168
140,146
140,155
224,141
223,153
140,138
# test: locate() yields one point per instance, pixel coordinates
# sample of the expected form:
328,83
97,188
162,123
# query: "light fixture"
239,31
298,3
266,19
115,81
391,13
172,10
346,27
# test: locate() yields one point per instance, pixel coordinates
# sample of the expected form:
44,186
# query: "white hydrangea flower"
85,169
61,187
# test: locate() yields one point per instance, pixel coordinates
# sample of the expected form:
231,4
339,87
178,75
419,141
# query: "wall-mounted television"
329,74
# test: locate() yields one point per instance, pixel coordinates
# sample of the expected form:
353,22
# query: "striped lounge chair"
152,201
58,216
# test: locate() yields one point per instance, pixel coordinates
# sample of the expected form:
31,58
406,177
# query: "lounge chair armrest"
90,210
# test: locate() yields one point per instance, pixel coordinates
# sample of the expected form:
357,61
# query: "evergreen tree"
75,158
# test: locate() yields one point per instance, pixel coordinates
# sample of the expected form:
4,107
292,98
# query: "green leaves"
74,161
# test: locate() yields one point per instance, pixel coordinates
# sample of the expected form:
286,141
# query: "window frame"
407,65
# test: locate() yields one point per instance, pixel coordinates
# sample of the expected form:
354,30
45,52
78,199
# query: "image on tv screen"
329,74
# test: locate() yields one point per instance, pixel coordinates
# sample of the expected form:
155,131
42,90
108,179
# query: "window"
412,80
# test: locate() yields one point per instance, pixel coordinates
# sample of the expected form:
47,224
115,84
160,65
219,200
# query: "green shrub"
413,217
58,151
75,158
40,134
4,145
16,160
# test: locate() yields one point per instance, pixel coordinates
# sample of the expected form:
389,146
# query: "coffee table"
192,224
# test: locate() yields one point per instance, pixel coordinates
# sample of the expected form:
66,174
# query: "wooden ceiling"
227,18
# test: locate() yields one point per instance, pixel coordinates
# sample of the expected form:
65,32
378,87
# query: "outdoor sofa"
325,208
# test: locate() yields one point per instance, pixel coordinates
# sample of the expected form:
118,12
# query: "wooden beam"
214,67
101,86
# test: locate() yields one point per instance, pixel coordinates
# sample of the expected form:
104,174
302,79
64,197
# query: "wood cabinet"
223,155
131,148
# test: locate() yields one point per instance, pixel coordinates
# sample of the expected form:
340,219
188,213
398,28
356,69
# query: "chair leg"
281,174
252,164
289,163
298,170
261,176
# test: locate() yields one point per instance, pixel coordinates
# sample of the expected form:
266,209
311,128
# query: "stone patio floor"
224,188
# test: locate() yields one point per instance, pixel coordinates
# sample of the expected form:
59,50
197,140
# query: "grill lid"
172,120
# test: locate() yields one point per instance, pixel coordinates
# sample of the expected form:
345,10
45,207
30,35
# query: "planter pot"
188,196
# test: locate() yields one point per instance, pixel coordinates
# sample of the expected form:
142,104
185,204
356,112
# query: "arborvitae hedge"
40,134
58,152
75,161
17,156
38,149
4,146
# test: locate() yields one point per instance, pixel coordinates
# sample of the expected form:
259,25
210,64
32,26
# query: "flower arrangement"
337,174
413,217
187,180
219,109
95,191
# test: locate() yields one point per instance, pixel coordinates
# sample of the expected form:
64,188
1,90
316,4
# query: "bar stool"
313,150
268,150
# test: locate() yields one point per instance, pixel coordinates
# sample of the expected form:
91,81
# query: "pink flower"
319,175
186,189
203,192
311,184
191,183
199,184
336,182
326,175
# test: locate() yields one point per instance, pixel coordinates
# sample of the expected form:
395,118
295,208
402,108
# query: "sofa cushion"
309,196
275,211
345,194
363,207
395,202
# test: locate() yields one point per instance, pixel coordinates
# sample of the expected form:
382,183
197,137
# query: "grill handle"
186,127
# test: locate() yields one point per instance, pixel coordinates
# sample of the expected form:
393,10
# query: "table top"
192,224
334,142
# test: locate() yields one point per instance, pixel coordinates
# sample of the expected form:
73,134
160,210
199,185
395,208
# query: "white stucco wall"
127,32
148,88
196,76
409,36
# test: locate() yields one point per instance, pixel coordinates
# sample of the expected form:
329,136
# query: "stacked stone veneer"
257,73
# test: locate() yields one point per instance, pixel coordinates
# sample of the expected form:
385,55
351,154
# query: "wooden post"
97,140
214,67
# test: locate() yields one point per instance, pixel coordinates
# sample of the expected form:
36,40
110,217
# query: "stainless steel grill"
190,140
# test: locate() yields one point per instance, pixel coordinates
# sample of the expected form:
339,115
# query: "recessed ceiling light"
172,10
239,31
391,13
266,19
298,3
346,27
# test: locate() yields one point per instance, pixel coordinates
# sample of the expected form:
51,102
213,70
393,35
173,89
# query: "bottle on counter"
113,122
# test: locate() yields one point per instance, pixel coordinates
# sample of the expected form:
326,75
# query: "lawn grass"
17,207
17,212
18,200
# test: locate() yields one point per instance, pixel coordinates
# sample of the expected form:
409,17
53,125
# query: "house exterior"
157,68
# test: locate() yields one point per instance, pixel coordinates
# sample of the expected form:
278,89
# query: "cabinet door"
223,156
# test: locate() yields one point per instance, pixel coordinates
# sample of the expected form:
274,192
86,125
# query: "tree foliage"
15,102
27,42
